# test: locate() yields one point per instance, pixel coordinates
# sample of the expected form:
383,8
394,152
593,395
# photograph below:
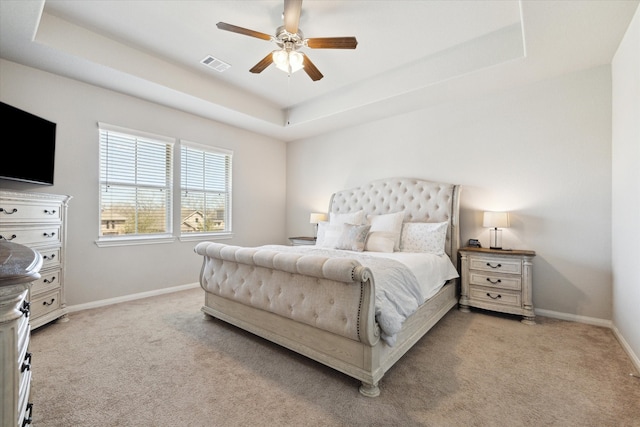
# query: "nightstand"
498,280
299,241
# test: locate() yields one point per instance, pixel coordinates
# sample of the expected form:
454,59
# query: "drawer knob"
26,364
492,297
48,303
494,266
14,210
28,419
48,234
13,236
53,279
48,212
49,257
495,282
25,308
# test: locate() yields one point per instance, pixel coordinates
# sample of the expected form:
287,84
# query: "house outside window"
136,180
205,190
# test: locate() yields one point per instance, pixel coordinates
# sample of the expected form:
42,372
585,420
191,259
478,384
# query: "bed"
328,301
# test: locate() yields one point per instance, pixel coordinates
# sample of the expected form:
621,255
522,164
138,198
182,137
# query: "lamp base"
495,236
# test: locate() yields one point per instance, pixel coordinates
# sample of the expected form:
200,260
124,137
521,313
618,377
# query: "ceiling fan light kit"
289,39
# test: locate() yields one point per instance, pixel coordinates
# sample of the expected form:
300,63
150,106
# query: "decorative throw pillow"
427,237
356,218
353,237
384,235
328,235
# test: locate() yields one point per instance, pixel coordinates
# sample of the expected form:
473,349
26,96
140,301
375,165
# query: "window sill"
132,241
205,236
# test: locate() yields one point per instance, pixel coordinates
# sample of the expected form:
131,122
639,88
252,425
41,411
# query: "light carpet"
160,362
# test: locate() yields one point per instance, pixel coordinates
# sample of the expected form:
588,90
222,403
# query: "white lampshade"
315,218
496,220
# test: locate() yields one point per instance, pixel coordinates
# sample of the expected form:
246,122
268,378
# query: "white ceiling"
410,54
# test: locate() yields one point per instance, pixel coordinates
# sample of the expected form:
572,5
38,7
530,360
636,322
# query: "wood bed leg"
369,390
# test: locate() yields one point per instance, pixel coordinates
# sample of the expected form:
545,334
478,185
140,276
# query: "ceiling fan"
290,39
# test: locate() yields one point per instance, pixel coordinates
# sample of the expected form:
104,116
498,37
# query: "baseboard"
596,322
125,298
625,345
575,318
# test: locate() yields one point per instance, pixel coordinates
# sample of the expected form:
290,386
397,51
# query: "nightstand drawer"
50,257
502,282
47,281
20,211
495,296
45,303
32,236
495,264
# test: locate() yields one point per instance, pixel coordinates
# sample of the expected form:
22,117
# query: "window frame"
137,239
218,235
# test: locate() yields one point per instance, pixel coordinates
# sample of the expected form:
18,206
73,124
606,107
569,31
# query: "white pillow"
328,235
427,237
356,218
385,231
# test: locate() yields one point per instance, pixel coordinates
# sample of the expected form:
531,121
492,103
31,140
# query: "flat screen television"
28,147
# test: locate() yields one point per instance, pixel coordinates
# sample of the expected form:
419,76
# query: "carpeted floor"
160,362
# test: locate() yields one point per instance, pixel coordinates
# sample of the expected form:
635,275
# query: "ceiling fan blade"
264,63
332,43
240,30
292,9
311,69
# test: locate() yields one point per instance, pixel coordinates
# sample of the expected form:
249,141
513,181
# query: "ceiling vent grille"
215,63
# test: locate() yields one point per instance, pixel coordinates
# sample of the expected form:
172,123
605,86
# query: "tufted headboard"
422,201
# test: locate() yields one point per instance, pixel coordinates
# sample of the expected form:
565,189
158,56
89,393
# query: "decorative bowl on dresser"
497,279
19,265
38,220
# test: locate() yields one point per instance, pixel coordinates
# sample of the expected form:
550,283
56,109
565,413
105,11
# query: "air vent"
215,63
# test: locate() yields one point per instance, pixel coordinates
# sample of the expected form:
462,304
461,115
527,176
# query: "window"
205,190
135,184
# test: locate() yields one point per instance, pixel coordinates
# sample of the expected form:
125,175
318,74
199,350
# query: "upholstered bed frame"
324,308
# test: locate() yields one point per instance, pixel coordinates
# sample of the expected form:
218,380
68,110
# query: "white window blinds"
135,183
205,189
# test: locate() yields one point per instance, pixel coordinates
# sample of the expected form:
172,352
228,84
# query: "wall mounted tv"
29,154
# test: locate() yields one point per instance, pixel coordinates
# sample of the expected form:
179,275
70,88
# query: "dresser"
19,265
38,220
498,280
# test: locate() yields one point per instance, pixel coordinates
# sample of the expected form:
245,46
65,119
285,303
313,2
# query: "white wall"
542,152
93,274
626,188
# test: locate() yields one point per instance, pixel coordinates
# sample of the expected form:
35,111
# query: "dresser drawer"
48,281
495,296
496,265
50,257
45,303
20,211
495,281
32,236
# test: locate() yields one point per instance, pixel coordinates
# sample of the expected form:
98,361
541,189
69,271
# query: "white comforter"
403,281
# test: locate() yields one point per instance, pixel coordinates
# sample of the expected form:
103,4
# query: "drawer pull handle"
53,279
494,266
495,282
14,210
8,239
25,308
49,257
28,419
48,212
492,297
48,303
48,235
26,364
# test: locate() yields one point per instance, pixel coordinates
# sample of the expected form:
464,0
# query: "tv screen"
28,146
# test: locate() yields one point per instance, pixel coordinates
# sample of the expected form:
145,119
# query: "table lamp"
495,221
